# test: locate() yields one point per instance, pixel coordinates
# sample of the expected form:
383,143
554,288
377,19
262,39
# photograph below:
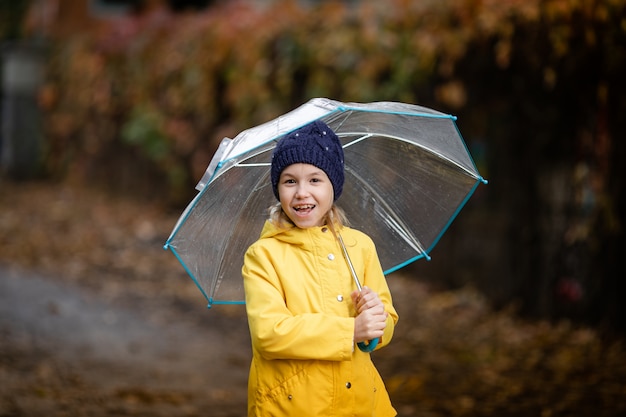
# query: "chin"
305,223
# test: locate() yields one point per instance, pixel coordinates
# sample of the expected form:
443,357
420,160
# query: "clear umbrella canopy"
407,175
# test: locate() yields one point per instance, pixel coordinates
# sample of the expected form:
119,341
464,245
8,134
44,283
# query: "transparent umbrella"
408,173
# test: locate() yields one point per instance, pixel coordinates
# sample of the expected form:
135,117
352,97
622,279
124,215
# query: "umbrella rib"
220,277
437,115
393,221
367,135
362,138
258,164
401,231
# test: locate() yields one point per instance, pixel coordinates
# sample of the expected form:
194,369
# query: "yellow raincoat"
301,317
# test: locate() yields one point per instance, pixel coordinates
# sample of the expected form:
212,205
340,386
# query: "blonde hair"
335,218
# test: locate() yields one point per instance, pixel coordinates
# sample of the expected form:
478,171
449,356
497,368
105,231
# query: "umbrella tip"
484,181
427,256
166,246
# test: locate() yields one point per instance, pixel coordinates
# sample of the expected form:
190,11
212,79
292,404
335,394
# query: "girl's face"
306,194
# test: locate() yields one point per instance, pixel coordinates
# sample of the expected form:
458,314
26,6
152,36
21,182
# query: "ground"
96,319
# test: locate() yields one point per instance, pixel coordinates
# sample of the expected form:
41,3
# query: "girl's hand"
366,300
369,325
371,318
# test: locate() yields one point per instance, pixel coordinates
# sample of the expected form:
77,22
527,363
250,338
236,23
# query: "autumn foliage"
537,85
166,88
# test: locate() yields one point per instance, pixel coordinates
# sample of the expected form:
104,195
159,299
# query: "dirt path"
66,349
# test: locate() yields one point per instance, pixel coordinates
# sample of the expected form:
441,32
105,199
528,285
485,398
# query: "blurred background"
129,100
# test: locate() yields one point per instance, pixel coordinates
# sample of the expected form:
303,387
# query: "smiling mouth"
304,208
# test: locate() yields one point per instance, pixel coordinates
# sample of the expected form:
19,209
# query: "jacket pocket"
299,394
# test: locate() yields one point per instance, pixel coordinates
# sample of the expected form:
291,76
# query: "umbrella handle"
369,346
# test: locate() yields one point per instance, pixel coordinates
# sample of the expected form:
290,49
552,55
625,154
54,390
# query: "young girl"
304,313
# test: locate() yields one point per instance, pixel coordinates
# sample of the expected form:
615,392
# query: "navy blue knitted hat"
315,144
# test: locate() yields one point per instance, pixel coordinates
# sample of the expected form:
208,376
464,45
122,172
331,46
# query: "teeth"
310,206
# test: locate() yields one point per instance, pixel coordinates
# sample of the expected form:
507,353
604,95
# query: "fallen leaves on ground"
452,355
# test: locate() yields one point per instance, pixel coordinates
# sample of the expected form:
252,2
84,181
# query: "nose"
302,190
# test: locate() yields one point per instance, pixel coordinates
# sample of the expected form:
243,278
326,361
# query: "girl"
304,313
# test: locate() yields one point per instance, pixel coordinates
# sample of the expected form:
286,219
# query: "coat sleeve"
375,279
277,333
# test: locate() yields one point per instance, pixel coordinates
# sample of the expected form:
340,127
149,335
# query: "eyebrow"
317,171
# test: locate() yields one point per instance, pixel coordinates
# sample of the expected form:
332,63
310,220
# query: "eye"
289,181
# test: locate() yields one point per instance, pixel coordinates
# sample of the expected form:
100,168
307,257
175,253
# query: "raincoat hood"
290,233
